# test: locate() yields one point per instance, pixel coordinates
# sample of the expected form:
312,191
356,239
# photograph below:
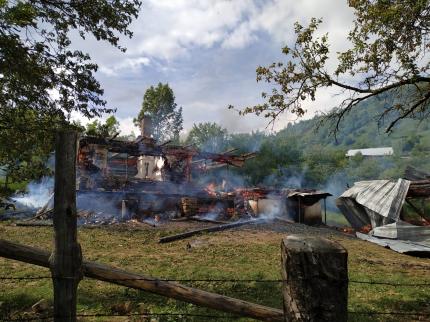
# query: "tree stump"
315,275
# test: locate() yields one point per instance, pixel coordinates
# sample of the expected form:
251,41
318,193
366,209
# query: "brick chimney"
146,126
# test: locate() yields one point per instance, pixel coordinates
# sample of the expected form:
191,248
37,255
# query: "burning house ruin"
297,205
144,178
119,180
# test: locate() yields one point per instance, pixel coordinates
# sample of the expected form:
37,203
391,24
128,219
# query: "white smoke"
38,193
215,212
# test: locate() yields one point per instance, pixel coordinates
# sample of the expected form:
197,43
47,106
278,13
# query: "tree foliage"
159,104
389,45
36,58
42,77
208,136
23,153
107,129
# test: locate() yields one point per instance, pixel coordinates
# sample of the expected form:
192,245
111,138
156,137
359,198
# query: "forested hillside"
307,154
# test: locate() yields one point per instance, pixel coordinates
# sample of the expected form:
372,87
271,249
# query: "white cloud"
240,37
171,36
170,29
126,125
128,64
167,29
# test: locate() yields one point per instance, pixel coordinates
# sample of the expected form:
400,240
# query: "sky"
207,51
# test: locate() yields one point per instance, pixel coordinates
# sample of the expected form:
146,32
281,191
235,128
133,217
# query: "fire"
211,189
366,229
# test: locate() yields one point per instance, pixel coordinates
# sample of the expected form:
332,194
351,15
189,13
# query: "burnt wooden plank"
187,234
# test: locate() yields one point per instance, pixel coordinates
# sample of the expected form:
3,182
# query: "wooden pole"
66,259
164,288
187,234
315,275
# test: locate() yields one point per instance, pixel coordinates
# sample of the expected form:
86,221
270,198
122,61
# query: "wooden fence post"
66,259
315,275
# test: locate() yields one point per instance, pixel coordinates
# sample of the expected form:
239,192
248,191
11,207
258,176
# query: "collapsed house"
378,207
143,178
120,180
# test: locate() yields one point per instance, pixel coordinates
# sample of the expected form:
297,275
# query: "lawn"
248,253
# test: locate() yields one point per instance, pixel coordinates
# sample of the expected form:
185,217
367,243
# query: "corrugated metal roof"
383,197
405,231
400,246
383,151
379,202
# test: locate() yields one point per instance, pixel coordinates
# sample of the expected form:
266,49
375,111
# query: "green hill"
307,154
362,128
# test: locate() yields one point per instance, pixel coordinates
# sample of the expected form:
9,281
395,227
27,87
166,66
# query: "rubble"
7,204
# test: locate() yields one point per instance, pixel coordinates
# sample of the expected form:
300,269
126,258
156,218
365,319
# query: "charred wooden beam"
229,151
249,155
114,136
165,143
180,219
209,230
173,290
415,208
199,161
419,189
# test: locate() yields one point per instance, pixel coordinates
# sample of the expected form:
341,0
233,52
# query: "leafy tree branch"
389,53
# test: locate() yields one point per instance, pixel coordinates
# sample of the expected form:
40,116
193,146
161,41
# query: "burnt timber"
150,177
191,233
141,178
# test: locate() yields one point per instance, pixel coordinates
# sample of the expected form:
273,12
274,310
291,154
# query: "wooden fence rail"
173,290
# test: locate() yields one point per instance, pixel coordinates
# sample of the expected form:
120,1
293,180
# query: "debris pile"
377,207
144,181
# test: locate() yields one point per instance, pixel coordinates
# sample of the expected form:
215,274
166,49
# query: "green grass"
235,254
